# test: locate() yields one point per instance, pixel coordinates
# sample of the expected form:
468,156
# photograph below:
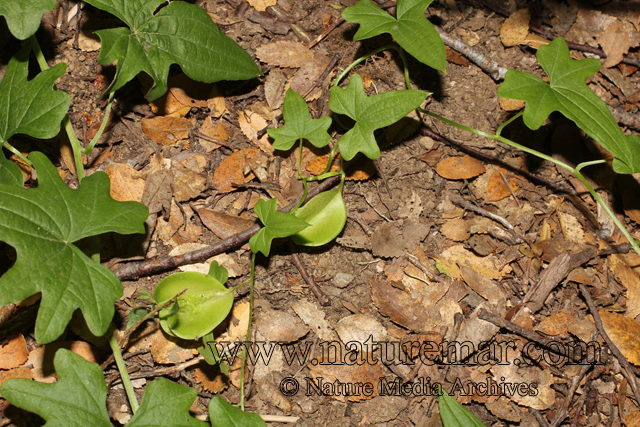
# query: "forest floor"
414,263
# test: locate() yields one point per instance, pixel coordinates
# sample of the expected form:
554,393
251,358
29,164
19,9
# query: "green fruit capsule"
201,308
326,215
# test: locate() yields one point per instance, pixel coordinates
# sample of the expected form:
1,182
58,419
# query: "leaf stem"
505,124
122,368
103,126
248,335
13,149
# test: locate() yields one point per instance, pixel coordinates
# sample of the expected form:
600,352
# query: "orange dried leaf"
216,102
231,170
465,167
456,229
211,380
497,189
515,28
363,171
615,42
223,225
124,185
14,353
261,5
166,130
624,333
455,57
284,53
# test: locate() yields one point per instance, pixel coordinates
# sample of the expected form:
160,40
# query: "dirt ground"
414,264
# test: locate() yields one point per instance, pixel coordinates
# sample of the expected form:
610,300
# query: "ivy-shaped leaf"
298,125
41,224
568,93
166,404
453,414
31,107
276,225
23,16
78,398
179,33
9,172
224,414
411,29
370,113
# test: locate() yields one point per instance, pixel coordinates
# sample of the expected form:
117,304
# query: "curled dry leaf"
515,28
284,53
462,167
166,130
231,170
624,333
14,353
209,378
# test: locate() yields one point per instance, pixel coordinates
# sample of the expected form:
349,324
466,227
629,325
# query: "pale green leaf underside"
23,16
298,124
453,414
370,113
33,107
41,224
276,225
179,33
411,29
223,414
78,398
166,404
568,93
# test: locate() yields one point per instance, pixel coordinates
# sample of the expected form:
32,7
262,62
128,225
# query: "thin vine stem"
575,171
248,335
122,368
15,151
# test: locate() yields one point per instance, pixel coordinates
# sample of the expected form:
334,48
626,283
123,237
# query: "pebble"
342,280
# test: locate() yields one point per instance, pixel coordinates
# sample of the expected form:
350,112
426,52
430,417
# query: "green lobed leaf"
326,214
568,93
370,113
209,350
276,225
218,272
33,107
42,224
453,414
23,16
298,125
78,398
9,172
411,29
166,404
224,414
203,306
179,33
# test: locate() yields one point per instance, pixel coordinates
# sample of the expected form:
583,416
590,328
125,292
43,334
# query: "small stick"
495,70
504,179
357,218
575,383
322,298
628,371
199,134
470,206
516,329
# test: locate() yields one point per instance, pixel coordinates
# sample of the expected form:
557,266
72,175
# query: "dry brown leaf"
219,132
216,102
231,170
14,353
556,324
326,374
571,228
171,350
630,279
314,317
188,92
541,398
432,157
166,130
589,23
238,325
511,104
362,171
307,76
187,184
632,420
624,333
460,167
191,231
456,229
284,53
125,185
15,373
535,41
496,188
361,328
209,378
455,57
223,225
515,28
250,124
166,229
482,286
262,5
276,325
93,130
615,42
42,358
459,255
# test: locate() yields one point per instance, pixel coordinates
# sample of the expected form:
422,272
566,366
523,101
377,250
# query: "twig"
495,70
575,383
156,265
357,218
470,206
628,371
504,179
295,259
516,329
198,134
